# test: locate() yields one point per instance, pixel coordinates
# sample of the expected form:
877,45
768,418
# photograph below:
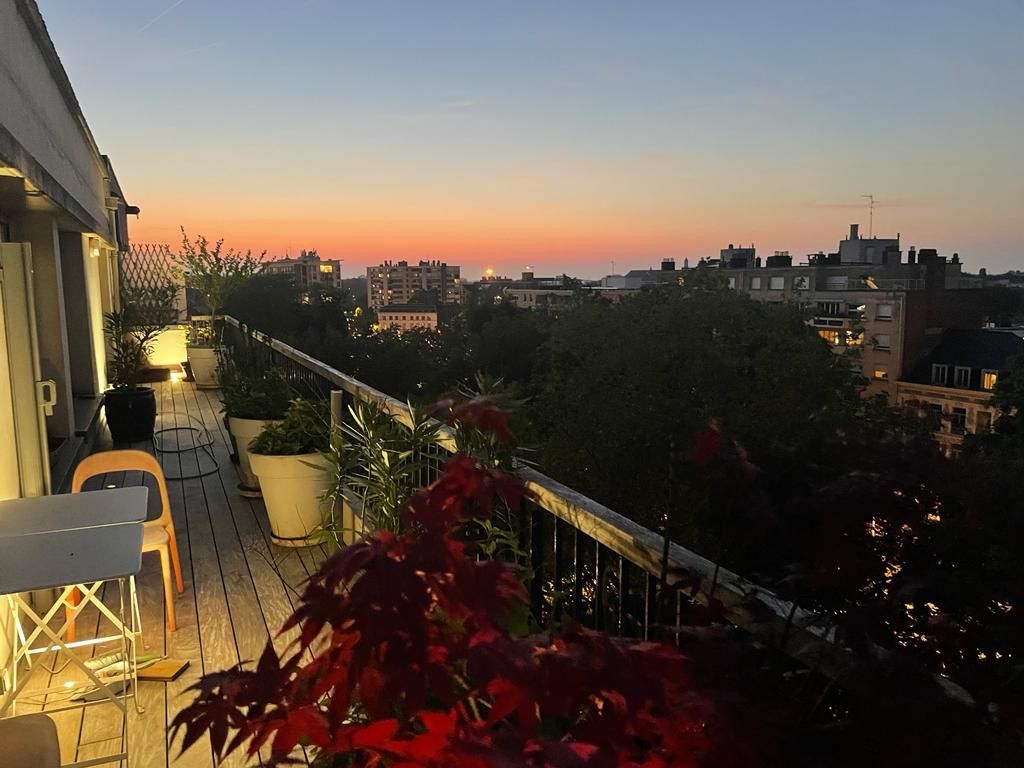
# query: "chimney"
669,265
854,231
912,255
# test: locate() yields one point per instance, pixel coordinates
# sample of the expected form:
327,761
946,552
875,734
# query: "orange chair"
158,535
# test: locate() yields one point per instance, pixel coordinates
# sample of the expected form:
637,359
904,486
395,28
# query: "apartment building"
405,317
63,221
404,283
308,269
532,292
866,298
955,380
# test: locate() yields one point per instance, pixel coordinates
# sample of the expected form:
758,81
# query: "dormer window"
962,377
940,374
989,379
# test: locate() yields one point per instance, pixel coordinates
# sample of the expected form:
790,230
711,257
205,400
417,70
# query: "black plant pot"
131,414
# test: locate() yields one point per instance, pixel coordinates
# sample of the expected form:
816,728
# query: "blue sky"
560,135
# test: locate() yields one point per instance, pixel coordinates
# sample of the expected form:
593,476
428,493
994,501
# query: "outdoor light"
177,377
94,252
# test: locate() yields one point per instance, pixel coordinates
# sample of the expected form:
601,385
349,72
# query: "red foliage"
404,657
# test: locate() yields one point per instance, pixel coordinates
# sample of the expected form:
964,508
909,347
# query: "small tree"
133,328
215,273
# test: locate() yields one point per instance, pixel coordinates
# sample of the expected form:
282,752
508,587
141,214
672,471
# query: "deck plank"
239,590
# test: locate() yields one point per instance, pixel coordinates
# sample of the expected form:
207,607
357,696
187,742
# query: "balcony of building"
239,588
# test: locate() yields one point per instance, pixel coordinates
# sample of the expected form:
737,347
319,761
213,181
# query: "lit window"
832,337
939,374
755,283
884,312
882,341
962,377
732,282
989,379
880,374
777,283
854,338
326,267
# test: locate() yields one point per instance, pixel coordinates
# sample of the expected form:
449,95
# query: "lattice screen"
147,265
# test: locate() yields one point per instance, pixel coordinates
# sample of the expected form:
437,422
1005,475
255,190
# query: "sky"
580,137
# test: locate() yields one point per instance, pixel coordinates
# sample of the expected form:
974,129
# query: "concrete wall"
41,130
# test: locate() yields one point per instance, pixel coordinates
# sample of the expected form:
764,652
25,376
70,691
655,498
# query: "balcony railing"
586,560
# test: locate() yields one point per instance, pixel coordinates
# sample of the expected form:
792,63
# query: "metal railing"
586,560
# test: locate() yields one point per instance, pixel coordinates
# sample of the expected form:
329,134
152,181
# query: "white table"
75,543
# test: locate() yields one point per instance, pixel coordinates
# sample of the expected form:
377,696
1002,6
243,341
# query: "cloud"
159,16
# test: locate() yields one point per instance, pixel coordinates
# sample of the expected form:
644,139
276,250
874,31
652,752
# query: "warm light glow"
989,380
489,272
177,377
832,337
326,267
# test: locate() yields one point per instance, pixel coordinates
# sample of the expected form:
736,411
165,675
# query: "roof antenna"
871,215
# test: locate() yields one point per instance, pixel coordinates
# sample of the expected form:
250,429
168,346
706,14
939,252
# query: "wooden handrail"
744,604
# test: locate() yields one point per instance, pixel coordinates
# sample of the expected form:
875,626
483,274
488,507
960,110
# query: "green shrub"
306,428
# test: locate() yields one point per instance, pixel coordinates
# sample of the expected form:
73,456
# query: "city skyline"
563,138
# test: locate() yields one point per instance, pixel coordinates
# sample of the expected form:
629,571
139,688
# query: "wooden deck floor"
239,589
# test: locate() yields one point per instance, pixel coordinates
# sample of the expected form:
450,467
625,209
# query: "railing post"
348,518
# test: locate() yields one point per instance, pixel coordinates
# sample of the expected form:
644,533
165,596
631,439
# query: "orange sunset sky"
562,136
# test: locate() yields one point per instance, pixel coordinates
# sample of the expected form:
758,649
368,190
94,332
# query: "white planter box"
203,362
244,431
292,490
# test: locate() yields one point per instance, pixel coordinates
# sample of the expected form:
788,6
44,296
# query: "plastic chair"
30,741
158,535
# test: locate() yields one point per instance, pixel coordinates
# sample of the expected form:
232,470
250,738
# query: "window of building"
776,283
326,267
837,283
982,421
801,283
883,312
832,337
880,374
934,410
962,377
958,421
939,374
830,308
854,338
855,312
989,379
755,283
882,341
732,282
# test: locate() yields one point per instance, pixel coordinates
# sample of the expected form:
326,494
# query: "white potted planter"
293,474
292,491
244,431
203,362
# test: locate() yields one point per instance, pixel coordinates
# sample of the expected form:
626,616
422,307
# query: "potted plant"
287,457
214,273
254,397
130,408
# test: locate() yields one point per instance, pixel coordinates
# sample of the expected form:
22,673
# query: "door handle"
46,394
